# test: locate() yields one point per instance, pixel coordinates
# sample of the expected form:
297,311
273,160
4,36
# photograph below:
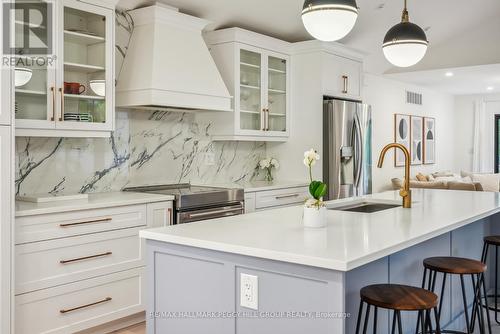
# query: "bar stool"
492,240
463,267
397,298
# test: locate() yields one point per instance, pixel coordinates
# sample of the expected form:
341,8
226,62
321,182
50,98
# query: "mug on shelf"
73,88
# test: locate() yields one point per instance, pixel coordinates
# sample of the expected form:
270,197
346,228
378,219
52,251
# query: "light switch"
249,291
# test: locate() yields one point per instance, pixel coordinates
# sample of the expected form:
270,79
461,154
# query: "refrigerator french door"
347,148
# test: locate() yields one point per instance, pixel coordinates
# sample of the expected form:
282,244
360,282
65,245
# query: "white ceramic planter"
314,217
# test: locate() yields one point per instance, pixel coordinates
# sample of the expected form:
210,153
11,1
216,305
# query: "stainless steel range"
195,203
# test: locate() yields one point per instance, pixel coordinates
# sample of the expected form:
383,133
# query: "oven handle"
211,213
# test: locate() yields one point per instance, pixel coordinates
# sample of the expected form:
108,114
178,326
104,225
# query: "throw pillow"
421,177
489,182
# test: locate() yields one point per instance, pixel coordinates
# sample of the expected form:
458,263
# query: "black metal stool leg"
495,293
393,331
422,321
375,320
466,312
423,287
438,325
360,314
400,327
486,302
367,316
477,303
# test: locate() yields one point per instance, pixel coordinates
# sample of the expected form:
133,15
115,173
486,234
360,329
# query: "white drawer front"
45,264
281,197
68,224
81,305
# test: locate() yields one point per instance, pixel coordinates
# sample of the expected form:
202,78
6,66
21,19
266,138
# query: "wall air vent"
413,98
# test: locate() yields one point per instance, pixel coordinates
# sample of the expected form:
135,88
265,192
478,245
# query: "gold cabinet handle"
85,258
107,299
87,222
170,216
287,196
346,84
53,90
62,104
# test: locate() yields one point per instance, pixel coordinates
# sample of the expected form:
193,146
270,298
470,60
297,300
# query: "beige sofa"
450,185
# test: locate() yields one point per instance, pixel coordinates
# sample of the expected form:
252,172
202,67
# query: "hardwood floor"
141,328
136,329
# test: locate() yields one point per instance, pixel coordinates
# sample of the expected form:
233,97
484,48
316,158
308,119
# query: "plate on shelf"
78,117
83,32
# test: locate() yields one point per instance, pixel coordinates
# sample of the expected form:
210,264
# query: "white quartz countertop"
254,186
350,240
94,201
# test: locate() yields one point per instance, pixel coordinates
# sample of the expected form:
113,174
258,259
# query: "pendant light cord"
405,17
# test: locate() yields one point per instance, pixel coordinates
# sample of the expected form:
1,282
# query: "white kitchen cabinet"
6,222
249,202
59,99
341,76
81,305
80,269
160,214
276,198
256,71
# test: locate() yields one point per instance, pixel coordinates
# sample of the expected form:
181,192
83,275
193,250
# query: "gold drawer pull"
87,222
287,196
107,299
85,258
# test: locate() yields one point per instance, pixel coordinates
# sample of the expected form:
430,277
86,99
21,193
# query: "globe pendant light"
329,20
405,44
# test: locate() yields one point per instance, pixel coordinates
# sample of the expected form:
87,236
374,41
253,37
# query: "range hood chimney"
168,65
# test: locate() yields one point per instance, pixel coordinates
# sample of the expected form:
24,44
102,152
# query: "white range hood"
168,65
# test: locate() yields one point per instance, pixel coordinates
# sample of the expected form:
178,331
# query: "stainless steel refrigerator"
347,148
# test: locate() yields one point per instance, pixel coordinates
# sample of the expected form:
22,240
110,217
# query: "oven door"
195,215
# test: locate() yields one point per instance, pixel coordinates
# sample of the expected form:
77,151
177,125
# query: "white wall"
464,121
386,96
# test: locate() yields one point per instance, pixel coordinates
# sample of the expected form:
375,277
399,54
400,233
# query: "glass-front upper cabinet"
277,94
251,114
256,71
263,92
34,69
73,94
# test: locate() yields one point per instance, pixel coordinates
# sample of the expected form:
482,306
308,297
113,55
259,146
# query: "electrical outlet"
209,159
249,291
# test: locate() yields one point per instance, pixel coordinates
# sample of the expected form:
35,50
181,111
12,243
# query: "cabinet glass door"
250,90
34,73
277,94
86,71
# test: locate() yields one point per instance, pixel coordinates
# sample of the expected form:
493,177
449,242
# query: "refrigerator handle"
358,151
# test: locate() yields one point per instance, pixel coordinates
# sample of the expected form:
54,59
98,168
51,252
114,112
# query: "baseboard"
117,324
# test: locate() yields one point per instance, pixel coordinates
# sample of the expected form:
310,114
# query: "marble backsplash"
146,148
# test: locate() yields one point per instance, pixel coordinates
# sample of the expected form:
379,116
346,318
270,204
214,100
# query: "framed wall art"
416,138
401,136
429,155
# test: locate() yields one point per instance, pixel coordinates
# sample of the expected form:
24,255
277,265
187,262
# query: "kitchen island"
308,279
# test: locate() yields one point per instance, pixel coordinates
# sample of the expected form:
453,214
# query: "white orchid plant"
317,189
268,164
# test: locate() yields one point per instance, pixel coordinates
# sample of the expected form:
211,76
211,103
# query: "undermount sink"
364,206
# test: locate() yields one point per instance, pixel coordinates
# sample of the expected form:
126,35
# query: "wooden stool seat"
492,240
455,265
399,297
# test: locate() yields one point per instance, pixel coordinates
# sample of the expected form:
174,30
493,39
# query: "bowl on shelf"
98,87
22,76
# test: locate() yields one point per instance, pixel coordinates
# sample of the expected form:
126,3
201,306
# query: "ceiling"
484,79
444,19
